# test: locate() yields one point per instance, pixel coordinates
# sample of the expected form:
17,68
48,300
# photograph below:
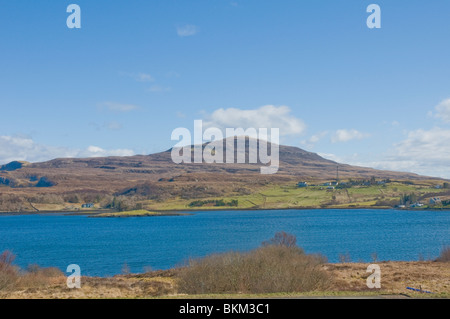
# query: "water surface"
101,246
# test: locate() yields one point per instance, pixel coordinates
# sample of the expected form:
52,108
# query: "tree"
282,239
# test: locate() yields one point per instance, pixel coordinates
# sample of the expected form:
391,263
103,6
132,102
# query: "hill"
157,177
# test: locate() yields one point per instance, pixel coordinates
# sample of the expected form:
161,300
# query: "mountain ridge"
295,163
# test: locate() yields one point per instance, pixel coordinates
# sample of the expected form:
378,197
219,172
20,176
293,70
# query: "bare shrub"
345,258
269,269
37,277
374,256
125,269
8,272
282,239
12,278
444,256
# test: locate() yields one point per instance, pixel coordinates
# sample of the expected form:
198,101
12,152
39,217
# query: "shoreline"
183,212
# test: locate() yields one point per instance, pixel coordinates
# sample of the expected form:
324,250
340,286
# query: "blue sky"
136,70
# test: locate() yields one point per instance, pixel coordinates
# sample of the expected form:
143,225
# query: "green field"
290,196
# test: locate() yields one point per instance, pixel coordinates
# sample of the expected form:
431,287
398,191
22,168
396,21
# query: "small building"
438,186
87,205
302,184
435,200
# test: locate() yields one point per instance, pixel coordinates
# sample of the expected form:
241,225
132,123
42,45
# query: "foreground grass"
349,281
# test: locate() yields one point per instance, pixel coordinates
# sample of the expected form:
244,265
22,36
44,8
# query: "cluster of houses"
328,185
88,205
433,201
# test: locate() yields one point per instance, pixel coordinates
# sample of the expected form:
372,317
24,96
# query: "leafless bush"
8,272
36,277
12,278
282,239
444,256
11,203
269,269
345,258
374,256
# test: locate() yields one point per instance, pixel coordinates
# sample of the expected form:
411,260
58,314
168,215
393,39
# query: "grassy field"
349,280
265,196
289,196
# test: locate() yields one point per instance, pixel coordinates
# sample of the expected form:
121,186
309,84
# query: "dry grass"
268,269
346,280
9,274
395,277
154,284
279,268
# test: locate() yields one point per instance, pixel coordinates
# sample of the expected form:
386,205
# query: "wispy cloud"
443,111
118,107
139,77
159,88
268,116
310,142
172,74
14,148
347,135
187,30
425,152
143,77
112,126
180,115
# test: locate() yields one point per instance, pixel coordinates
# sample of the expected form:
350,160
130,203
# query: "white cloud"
425,152
25,149
332,157
180,115
347,135
443,111
112,126
95,151
143,77
172,74
268,116
310,142
139,77
427,146
159,88
187,30
118,107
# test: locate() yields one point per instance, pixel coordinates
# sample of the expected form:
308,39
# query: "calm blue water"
101,246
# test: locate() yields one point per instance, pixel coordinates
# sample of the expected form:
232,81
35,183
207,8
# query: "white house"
435,200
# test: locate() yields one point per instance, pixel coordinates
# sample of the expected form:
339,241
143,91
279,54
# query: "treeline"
407,199
16,203
214,202
363,182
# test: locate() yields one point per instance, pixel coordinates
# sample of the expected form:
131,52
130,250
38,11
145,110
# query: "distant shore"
185,212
